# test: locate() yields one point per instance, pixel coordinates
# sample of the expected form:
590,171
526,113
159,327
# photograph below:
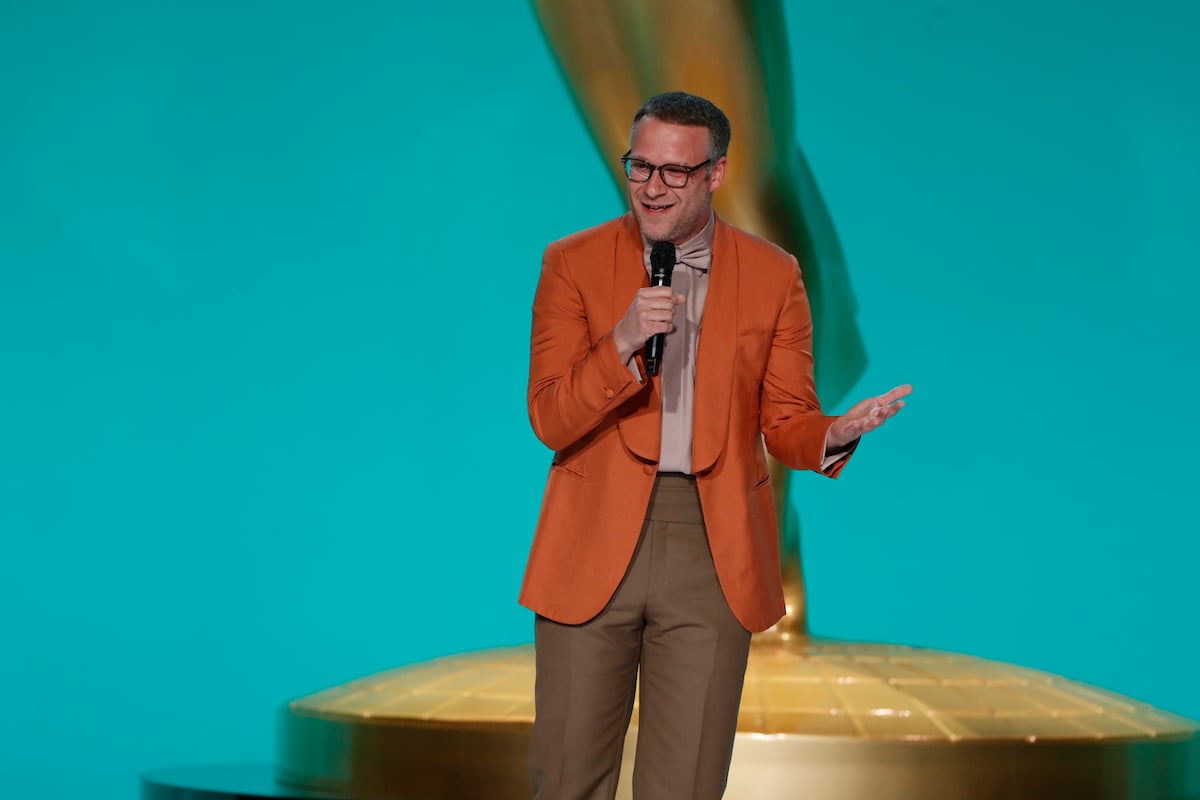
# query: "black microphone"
662,261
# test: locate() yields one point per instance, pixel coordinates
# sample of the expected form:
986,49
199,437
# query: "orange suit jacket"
754,383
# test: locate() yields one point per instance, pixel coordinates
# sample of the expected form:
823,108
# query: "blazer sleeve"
793,424
573,383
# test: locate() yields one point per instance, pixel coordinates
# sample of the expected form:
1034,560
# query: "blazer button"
649,470
609,393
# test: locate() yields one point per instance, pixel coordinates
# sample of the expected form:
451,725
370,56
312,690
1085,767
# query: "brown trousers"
670,619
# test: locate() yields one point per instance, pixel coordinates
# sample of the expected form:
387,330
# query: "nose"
655,186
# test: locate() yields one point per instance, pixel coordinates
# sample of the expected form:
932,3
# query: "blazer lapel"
641,429
716,352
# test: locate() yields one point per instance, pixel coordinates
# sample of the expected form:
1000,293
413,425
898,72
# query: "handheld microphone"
662,261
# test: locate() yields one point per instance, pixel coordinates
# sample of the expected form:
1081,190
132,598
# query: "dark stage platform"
222,782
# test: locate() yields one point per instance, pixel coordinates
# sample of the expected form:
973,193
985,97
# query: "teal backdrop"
265,281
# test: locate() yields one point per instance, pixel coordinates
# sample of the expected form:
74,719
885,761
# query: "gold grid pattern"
798,687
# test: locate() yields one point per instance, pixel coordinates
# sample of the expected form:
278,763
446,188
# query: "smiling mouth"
650,207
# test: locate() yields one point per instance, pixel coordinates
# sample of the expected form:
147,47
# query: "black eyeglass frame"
687,171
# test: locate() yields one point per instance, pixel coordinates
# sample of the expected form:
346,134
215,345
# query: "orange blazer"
754,382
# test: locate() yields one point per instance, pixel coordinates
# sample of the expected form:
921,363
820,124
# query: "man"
656,550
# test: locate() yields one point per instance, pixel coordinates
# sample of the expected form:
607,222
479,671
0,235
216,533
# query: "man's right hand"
650,312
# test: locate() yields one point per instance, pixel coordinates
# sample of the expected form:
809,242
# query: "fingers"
895,394
882,411
884,405
871,413
658,302
652,311
659,296
655,309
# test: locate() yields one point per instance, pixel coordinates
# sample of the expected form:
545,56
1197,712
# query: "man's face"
666,214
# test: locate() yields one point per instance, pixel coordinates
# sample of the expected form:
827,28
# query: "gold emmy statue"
820,719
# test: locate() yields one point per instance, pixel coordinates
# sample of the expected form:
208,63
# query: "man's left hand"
864,417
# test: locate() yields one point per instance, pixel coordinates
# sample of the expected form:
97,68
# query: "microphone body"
662,262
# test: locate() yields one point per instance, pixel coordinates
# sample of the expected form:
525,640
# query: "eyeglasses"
673,175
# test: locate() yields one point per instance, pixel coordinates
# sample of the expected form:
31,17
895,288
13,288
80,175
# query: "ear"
718,174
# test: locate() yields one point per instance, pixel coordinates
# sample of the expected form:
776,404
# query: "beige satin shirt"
693,261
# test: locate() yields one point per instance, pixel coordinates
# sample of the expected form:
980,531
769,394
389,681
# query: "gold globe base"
820,719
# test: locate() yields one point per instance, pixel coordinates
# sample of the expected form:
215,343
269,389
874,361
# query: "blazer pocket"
754,346
753,336
570,472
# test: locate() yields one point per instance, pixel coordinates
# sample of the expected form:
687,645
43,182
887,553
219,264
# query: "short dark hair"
681,108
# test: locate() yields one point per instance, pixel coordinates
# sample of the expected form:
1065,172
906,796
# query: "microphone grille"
662,258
